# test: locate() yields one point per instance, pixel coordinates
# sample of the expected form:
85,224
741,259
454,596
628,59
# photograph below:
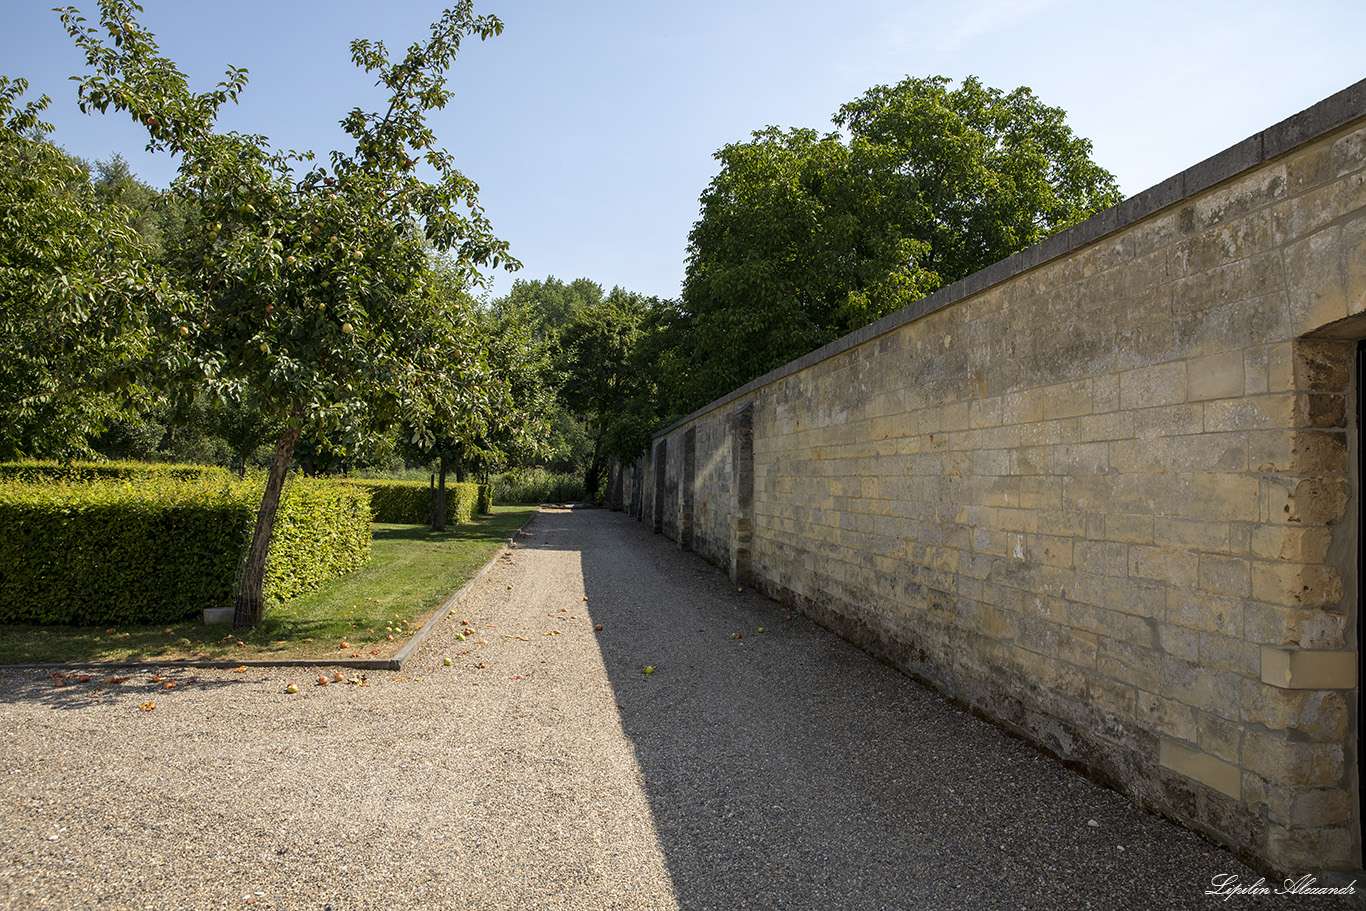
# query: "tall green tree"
538,313
310,290
459,366
550,302
76,282
805,237
521,363
600,374
791,252
160,218
661,369
974,174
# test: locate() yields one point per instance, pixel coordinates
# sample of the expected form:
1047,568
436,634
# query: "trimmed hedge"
97,553
396,502
160,550
76,472
462,503
409,502
321,531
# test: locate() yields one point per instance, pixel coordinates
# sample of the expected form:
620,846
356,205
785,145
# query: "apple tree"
310,290
506,377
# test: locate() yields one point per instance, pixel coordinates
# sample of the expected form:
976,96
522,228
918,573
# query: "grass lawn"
373,610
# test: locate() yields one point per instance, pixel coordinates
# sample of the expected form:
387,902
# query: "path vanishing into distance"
543,769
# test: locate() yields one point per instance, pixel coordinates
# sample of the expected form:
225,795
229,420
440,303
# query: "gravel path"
543,769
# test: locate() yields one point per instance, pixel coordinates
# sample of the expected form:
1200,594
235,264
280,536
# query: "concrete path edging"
396,663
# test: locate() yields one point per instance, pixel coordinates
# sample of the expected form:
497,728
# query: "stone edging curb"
367,664
444,610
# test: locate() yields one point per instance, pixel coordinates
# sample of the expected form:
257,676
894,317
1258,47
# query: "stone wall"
1102,492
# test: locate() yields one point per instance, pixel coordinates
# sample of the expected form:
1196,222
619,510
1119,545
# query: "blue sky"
590,126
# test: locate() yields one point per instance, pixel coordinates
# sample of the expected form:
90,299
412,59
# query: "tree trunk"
593,479
251,604
439,516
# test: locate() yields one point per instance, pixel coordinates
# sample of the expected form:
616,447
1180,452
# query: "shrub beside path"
544,769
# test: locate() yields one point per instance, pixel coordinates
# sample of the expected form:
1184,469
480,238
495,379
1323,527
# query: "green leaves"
975,173
308,296
131,76
602,378
789,254
21,121
805,237
303,288
76,283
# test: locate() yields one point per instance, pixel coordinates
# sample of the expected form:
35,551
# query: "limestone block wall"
1103,492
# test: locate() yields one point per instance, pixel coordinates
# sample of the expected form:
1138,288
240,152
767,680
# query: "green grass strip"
412,571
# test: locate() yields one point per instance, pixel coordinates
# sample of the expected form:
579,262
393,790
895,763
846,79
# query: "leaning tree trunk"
251,602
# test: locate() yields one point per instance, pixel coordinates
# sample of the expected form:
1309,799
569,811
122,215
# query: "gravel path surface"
781,770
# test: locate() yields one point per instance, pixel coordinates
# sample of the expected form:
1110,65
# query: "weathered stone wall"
1103,492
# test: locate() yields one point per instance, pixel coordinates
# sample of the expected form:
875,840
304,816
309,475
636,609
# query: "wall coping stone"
1309,125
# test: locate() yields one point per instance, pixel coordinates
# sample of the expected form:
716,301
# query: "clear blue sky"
590,126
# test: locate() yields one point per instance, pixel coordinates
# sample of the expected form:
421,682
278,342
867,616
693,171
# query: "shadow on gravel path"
81,689
786,769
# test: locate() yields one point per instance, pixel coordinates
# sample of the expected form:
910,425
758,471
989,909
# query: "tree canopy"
309,293
333,305
804,237
600,374
76,283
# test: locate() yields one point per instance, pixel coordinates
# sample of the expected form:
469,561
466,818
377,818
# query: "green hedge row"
409,502
43,472
160,550
396,502
321,531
